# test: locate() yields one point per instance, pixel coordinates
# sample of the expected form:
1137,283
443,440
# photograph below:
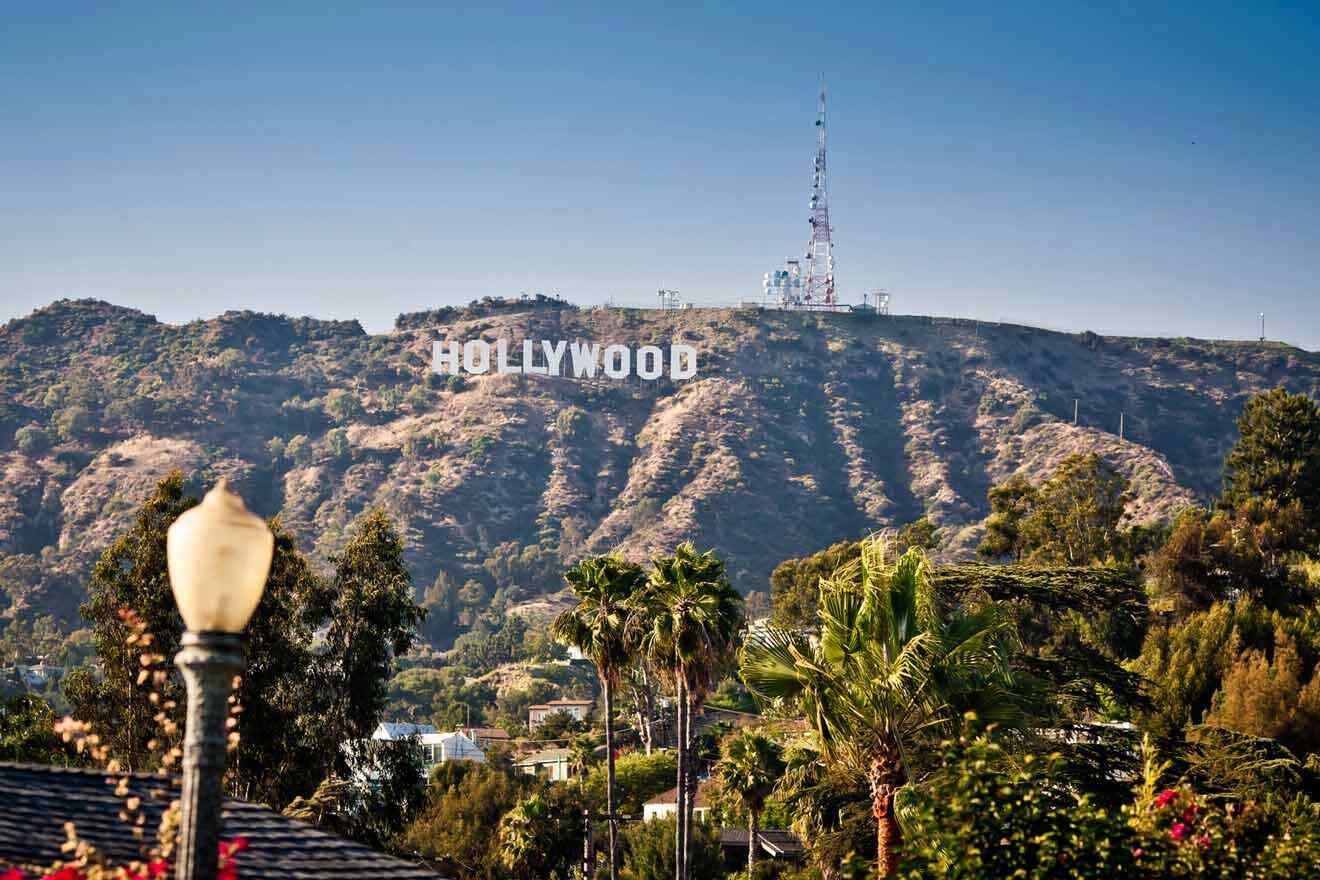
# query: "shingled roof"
38,801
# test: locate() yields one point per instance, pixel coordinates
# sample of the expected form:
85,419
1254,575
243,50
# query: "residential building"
662,806
39,800
771,843
553,764
437,747
577,709
485,737
392,730
440,748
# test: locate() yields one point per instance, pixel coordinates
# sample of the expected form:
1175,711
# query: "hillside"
799,430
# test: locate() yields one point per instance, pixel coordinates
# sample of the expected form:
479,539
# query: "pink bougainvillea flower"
1137,852
1203,841
1189,814
159,868
1163,798
12,874
1179,831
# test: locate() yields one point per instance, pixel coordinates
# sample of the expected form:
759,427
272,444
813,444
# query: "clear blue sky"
1145,168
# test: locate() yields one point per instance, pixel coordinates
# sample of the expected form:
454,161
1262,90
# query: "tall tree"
286,743
276,760
687,620
598,627
1277,456
890,665
373,618
748,769
132,574
1070,519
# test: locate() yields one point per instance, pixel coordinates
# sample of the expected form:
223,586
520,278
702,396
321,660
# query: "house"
437,747
771,843
440,748
550,763
665,805
392,730
34,675
39,800
577,709
485,737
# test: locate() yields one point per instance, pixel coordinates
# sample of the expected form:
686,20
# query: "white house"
392,730
437,748
577,709
662,806
440,748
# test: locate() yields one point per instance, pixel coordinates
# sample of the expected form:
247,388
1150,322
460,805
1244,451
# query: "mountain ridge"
800,429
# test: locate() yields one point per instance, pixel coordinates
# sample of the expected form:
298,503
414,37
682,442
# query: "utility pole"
1074,410
1262,326
587,859
1120,424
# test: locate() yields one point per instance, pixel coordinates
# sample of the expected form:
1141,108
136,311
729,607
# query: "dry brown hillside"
799,430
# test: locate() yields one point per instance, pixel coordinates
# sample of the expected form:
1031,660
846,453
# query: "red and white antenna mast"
818,291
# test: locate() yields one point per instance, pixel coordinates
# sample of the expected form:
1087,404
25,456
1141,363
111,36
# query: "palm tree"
581,755
889,666
686,624
751,765
597,626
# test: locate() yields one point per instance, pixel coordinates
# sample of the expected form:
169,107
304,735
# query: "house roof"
704,788
38,800
485,732
561,704
400,729
774,841
545,756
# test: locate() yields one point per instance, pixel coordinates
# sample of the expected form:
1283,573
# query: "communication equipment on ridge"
669,299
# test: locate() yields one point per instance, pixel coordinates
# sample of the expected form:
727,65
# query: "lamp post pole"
219,556
209,661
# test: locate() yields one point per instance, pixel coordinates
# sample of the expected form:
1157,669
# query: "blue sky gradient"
1147,169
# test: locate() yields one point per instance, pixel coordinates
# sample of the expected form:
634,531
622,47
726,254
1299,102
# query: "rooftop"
671,797
774,841
544,756
38,800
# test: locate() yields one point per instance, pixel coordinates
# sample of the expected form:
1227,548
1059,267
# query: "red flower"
12,874
1189,814
159,868
1137,852
1203,841
232,847
69,873
1163,798
1179,831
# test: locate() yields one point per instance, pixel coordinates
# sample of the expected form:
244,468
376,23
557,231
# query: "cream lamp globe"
219,555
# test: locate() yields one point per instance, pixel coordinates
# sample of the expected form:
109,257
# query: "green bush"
648,851
32,439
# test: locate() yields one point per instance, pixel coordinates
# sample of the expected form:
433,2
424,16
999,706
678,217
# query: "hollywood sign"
578,359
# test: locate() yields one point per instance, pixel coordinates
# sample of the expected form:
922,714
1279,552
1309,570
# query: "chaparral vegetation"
1083,683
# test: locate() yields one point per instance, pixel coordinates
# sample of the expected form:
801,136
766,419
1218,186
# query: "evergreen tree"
131,574
373,618
1277,456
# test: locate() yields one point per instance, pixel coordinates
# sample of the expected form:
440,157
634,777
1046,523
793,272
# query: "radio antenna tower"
818,291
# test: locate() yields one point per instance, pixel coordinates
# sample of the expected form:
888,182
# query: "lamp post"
219,556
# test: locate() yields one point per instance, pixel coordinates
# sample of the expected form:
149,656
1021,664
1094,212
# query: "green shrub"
32,439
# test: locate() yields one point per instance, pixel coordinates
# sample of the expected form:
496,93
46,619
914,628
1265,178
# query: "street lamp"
219,555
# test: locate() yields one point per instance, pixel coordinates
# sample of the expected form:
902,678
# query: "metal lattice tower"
818,289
